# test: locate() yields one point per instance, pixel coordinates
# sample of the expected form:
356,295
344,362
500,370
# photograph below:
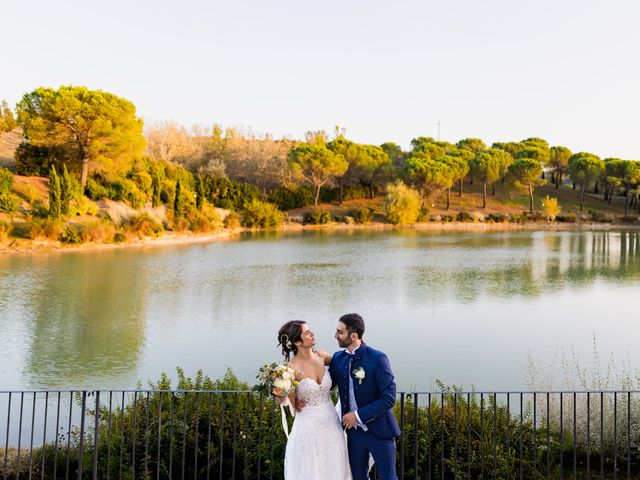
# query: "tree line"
100,139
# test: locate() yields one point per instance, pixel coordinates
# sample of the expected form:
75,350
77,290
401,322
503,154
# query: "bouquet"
279,379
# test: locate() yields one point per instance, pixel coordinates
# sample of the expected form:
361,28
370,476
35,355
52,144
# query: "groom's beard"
344,343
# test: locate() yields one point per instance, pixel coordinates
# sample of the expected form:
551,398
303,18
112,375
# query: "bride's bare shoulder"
326,356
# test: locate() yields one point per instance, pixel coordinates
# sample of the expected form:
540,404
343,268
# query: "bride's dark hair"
288,335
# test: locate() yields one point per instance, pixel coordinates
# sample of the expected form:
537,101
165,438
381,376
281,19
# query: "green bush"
5,228
71,235
6,181
567,218
145,225
82,206
232,220
289,199
230,194
9,202
95,190
629,219
496,218
402,204
317,216
257,214
465,217
360,215
46,228
202,221
351,192
127,191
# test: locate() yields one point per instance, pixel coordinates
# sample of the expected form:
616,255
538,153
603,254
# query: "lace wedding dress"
317,446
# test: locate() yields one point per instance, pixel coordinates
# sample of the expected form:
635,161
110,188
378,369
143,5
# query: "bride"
317,445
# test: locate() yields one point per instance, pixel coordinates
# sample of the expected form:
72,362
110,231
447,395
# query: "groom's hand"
349,420
299,404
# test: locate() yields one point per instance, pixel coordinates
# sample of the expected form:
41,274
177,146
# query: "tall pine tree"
55,194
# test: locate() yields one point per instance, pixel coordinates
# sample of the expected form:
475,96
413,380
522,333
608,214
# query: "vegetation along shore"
78,169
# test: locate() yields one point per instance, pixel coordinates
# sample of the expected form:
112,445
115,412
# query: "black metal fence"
158,434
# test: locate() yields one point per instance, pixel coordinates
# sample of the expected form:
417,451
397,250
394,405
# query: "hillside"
8,144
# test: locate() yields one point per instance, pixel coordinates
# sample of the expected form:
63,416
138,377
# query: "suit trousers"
361,444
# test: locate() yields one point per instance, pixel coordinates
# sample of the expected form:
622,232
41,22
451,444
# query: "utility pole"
438,130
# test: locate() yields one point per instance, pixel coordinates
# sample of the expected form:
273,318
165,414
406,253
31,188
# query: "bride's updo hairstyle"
288,335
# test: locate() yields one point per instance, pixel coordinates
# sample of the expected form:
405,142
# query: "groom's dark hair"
354,324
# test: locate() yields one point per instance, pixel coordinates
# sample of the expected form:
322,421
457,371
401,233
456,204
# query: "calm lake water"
466,308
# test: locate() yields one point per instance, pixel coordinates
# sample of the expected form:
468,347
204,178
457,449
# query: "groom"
367,394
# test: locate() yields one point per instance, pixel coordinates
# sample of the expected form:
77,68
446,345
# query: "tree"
429,175
630,178
102,127
526,174
316,165
463,158
487,167
66,190
7,120
474,145
351,152
200,192
559,163
395,154
177,201
374,163
55,194
584,168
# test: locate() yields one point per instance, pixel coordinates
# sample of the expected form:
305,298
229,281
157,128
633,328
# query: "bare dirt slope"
8,144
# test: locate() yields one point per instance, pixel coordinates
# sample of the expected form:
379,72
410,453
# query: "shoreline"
17,246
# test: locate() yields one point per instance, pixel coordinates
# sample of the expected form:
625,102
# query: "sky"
567,71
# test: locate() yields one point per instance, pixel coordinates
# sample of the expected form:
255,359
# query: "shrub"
600,217
232,220
360,215
550,208
6,181
95,190
97,231
317,216
465,217
127,191
203,221
496,218
46,228
402,204
230,194
82,206
568,218
5,228
257,214
71,235
9,202
629,219
145,225
448,218
519,218
119,237
288,199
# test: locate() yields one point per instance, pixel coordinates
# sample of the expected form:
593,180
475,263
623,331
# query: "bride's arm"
326,356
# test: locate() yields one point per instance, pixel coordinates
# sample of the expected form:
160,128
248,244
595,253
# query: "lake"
469,308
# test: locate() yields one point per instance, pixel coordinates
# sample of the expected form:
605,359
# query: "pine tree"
177,203
200,194
156,186
7,121
66,192
55,194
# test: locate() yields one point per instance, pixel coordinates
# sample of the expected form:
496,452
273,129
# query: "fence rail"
228,434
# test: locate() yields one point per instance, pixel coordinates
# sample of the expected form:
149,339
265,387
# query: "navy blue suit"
375,396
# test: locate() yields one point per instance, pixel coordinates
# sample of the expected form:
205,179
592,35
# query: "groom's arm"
386,386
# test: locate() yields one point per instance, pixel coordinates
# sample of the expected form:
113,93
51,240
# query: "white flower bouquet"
278,379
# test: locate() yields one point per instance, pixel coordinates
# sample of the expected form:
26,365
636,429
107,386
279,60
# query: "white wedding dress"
317,445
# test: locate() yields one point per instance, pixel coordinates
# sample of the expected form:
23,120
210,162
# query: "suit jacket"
375,394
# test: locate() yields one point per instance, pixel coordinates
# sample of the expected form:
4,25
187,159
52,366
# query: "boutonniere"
359,374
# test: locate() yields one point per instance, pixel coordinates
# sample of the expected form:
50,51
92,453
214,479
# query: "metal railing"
225,434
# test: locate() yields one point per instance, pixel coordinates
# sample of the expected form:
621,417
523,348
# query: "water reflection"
465,307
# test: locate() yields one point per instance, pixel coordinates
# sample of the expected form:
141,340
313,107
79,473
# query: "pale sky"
501,70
